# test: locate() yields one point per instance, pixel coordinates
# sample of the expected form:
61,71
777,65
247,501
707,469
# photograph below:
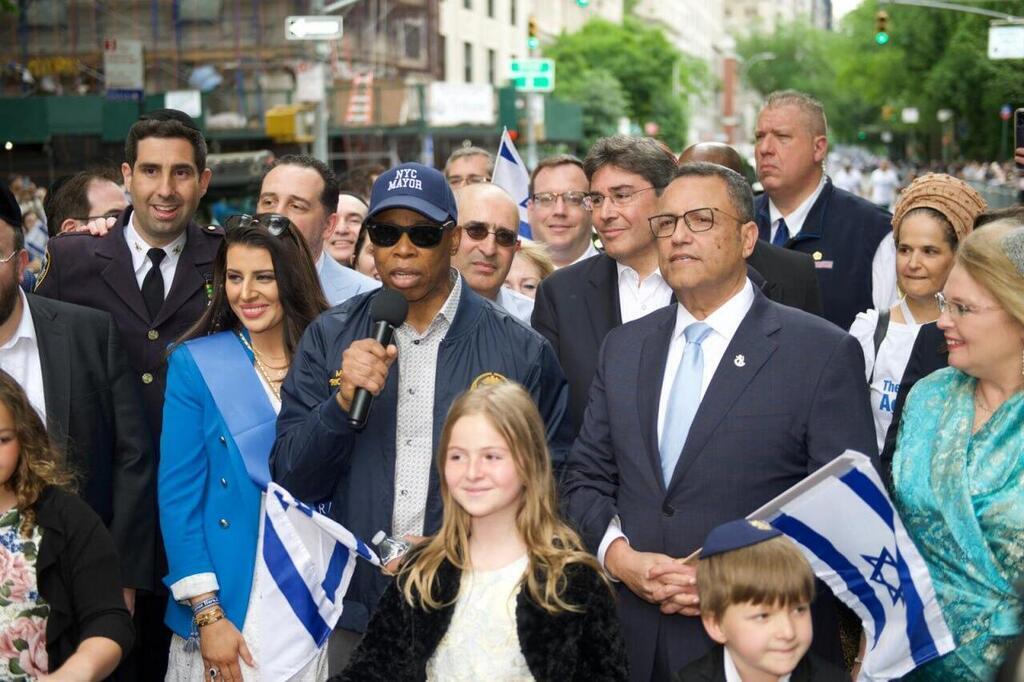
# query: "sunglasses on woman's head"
274,223
425,235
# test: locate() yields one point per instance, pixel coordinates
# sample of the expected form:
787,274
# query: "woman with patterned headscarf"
932,215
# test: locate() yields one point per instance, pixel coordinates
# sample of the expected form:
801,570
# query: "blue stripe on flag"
525,229
922,644
335,567
362,549
834,559
291,584
506,153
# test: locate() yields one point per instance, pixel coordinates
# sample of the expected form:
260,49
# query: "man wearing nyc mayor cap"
382,477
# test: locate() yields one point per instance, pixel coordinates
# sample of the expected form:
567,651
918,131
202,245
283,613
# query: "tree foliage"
654,78
935,59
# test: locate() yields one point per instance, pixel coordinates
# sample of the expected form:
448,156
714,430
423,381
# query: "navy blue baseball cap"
415,187
735,535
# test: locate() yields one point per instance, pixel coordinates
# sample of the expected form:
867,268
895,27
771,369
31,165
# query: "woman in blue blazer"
264,293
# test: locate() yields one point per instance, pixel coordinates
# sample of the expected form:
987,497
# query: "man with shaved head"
789,276
489,218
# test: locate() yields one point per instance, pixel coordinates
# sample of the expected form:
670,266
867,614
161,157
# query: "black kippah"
10,211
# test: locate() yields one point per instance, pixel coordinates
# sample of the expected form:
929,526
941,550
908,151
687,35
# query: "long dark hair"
298,285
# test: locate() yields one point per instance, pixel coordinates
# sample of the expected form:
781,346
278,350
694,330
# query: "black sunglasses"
502,235
425,236
274,223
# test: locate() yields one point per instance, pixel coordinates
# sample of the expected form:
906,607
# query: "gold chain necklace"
275,384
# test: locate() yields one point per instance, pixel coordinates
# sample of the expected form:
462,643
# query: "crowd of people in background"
569,430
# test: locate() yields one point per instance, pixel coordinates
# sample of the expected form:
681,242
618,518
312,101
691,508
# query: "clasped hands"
655,578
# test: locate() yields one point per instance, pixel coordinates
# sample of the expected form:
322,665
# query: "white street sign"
312,28
123,66
1006,42
910,115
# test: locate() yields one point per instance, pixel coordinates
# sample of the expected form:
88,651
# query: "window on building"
492,67
467,62
513,19
490,8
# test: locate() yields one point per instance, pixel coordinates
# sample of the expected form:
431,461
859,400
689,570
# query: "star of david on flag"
843,521
511,175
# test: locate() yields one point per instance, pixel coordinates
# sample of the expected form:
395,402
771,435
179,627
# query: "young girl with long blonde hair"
504,590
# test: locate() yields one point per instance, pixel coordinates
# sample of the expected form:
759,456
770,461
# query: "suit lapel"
603,306
119,273
653,355
55,361
753,342
194,269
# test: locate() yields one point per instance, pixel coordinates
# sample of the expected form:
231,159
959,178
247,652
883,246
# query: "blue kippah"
737,534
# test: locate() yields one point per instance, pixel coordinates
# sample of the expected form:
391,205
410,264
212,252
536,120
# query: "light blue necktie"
781,233
684,399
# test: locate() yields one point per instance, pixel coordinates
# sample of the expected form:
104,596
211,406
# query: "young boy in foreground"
755,591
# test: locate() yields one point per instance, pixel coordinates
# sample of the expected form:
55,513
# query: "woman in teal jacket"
228,368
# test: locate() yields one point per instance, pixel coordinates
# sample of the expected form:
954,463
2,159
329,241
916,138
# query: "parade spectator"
70,362
362,255
468,166
884,182
35,239
530,266
379,478
153,274
957,471
933,214
266,291
848,238
85,196
62,613
559,209
701,413
351,212
849,178
489,219
579,304
304,190
755,590
788,275
504,590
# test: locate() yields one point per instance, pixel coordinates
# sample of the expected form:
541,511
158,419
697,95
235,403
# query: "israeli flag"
511,175
844,522
303,570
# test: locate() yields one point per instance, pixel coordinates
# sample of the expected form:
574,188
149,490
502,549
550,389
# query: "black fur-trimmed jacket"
584,646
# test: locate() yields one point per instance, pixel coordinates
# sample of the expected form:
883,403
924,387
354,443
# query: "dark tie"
781,233
153,284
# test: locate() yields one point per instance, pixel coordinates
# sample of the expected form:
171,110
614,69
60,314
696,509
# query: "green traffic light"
533,43
862,135
582,3
881,37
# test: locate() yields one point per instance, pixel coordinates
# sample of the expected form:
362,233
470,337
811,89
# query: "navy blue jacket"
318,456
842,233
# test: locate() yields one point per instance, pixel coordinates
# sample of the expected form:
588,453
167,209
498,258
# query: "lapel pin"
739,360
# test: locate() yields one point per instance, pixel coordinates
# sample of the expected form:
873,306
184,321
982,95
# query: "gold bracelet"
208,617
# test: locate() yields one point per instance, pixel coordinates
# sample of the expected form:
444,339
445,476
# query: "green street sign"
532,75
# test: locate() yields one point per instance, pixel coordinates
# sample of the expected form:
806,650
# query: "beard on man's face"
8,297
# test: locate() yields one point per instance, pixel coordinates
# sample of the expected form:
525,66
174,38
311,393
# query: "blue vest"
842,233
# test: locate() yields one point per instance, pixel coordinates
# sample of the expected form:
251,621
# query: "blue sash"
241,399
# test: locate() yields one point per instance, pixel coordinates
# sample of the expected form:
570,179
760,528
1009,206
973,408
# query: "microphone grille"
389,306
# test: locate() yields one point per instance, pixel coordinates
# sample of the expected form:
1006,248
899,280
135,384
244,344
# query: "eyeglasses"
463,180
13,254
425,236
618,197
960,310
502,235
274,223
576,199
698,220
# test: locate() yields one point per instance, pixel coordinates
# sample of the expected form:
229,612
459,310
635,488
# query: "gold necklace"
275,384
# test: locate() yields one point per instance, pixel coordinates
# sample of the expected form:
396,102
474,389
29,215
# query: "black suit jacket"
94,414
578,305
711,668
97,272
928,355
788,396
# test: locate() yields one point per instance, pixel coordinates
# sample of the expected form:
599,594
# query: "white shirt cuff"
194,585
613,533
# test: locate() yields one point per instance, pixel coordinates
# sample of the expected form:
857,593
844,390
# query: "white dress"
885,372
482,642
185,666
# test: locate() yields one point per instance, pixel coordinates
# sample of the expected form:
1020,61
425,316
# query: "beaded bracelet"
205,604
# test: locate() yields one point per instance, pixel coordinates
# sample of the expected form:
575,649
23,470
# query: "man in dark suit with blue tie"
700,413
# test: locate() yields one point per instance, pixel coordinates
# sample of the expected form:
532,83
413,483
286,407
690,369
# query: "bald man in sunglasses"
489,219
382,477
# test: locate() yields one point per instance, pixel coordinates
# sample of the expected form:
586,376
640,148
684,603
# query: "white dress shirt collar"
732,674
26,328
795,220
139,247
725,320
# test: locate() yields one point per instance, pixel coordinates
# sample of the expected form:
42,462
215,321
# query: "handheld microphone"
387,310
